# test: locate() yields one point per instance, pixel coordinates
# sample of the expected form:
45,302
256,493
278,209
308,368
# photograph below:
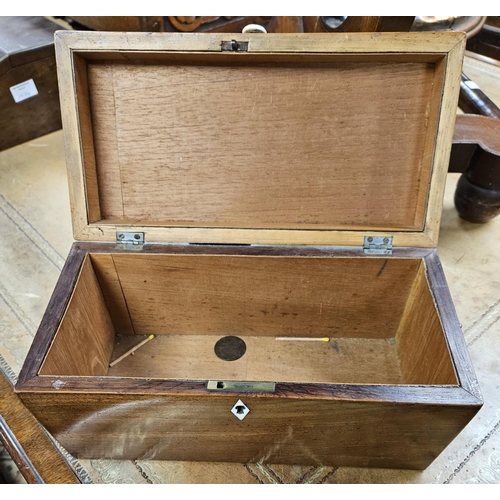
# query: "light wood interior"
302,141
423,356
85,338
266,359
378,313
260,295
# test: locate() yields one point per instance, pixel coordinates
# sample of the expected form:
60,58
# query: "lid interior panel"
322,142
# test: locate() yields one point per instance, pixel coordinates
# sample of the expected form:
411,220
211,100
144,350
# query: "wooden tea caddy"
257,186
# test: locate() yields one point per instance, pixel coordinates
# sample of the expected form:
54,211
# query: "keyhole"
240,410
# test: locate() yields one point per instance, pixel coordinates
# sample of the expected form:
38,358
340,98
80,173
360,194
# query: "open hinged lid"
317,139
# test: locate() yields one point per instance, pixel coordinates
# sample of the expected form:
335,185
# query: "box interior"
378,314
289,141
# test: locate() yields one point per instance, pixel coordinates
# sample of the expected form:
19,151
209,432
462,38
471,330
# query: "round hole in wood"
230,348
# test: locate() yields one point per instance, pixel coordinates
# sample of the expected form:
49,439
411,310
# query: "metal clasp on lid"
234,46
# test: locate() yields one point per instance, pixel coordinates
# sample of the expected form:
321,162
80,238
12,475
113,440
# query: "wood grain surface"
277,430
421,343
481,130
312,204
192,357
109,282
84,340
280,296
286,146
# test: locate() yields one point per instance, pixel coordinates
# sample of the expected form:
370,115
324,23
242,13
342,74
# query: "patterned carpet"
35,232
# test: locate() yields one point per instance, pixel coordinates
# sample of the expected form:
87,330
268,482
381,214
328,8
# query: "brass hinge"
129,241
378,245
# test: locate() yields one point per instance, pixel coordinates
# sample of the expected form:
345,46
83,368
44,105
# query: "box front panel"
276,430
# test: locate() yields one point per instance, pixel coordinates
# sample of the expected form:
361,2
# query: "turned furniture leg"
476,154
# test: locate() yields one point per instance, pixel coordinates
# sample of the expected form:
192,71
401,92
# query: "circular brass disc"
230,348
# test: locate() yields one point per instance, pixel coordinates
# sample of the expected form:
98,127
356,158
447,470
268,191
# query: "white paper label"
24,90
472,85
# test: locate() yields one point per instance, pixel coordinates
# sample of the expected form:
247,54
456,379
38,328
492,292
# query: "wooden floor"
342,361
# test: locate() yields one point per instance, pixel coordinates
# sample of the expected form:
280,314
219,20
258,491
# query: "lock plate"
234,386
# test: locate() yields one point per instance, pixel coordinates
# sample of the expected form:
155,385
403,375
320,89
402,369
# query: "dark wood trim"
18,455
257,250
451,326
53,314
438,394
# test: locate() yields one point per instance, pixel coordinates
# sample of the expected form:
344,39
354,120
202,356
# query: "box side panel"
422,348
451,325
112,291
84,340
276,430
53,314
